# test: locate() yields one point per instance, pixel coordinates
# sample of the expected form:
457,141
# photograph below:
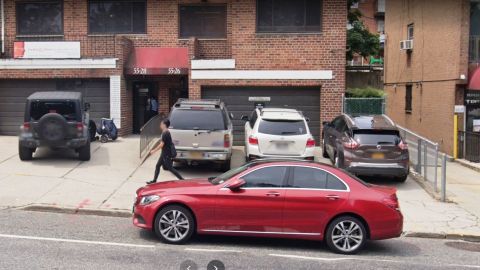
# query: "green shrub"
368,92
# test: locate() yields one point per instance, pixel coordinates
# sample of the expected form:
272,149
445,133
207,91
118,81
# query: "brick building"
120,53
425,82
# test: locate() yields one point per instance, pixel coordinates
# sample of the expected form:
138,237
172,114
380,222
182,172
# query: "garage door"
238,102
13,94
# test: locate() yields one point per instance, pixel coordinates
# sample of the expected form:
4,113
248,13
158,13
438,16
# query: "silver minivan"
202,130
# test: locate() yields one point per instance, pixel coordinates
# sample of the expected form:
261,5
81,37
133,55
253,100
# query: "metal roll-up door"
13,94
239,102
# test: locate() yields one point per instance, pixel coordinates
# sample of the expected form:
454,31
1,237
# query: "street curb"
467,165
448,236
127,214
78,211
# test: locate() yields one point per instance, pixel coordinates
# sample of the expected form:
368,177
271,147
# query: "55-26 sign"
174,71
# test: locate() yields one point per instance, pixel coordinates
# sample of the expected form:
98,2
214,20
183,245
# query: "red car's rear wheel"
346,235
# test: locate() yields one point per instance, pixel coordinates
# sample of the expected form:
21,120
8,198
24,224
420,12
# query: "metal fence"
426,160
356,106
150,134
469,146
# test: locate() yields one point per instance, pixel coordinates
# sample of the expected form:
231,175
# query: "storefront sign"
47,49
472,98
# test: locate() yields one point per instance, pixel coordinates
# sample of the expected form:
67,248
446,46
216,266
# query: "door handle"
272,194
333,197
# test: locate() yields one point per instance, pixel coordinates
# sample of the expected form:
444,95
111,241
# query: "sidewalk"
108,183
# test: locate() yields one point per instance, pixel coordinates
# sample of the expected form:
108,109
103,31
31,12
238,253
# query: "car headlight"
149,199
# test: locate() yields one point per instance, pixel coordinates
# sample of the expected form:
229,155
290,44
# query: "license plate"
378,155
196,155
282,145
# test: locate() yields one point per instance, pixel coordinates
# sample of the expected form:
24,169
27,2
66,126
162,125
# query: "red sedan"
286,199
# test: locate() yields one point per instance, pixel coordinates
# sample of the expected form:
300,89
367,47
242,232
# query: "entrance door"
142,92
176,94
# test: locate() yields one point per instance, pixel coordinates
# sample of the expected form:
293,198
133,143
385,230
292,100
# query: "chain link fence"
367,106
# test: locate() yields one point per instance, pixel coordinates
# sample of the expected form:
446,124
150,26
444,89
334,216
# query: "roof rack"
186,101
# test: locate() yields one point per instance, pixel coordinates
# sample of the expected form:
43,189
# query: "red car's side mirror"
236,184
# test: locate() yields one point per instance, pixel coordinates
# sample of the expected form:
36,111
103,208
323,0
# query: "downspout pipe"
2,22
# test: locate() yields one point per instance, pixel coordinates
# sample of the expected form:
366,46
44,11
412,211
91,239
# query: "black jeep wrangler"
55,120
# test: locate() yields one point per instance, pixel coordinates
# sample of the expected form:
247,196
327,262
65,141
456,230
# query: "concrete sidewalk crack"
121,185
79,163
8,158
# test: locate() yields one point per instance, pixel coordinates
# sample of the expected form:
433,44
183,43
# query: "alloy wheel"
174,225
347,236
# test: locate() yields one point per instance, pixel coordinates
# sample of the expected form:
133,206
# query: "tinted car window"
340,125
309,178
198,119
284,128
334,183
266,177
64,108
377,137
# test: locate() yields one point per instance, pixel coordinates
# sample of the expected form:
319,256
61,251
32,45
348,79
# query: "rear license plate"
378,155
196,155
282,145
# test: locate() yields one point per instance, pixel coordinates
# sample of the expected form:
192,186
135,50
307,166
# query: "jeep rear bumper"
30,142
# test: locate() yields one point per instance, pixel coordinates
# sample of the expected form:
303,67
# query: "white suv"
278,133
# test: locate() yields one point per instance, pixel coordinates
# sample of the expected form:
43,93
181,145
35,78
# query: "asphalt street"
39,240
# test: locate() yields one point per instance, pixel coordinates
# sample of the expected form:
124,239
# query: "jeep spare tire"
52,127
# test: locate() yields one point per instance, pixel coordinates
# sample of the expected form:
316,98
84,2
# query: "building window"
203,21
117,17
289,16
380,26
408,98
39,18
410,32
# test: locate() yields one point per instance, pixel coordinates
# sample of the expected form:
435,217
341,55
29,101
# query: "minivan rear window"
198,120
64,108
377,137
282,127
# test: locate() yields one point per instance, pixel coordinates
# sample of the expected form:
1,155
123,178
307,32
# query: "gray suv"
367,146
55,120
202,130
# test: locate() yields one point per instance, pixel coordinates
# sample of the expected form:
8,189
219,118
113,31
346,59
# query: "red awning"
474,80
158,61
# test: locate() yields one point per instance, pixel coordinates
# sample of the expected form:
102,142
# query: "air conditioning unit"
406,45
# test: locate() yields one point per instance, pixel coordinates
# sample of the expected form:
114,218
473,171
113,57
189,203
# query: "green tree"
359,40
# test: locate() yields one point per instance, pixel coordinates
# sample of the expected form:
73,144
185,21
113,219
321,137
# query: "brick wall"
438,59
324,51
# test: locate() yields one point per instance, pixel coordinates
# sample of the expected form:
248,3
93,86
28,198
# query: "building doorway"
145,103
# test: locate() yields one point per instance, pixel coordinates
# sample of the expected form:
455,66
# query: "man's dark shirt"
167,144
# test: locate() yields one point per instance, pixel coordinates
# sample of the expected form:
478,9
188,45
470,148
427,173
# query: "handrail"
149,134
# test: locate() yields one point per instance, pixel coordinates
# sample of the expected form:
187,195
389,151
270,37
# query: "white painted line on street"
361,259
74,241
213,250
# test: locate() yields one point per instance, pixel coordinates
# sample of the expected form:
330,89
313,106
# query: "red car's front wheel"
174,224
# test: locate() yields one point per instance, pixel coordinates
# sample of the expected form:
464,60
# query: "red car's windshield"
224,177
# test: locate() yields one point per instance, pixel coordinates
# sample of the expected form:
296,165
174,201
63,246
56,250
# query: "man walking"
168,153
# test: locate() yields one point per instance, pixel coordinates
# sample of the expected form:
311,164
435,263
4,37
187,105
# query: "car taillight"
26,126
310,142
79,127
226,141
252,140
351,144
403,145
392,202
